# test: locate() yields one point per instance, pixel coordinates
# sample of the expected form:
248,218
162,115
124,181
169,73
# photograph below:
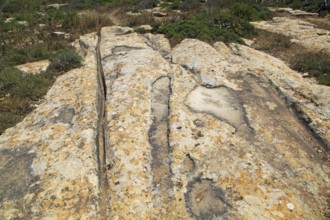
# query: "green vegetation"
224,28
250,13
23,42
65,60
227,25
17,92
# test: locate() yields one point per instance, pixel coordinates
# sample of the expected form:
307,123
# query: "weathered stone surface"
311,101
130,74
293,12
49,166
34,67
255,166
301,32
158,42
193,132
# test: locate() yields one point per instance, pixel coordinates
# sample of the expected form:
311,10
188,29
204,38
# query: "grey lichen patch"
222,103
15,173
205,200
65,115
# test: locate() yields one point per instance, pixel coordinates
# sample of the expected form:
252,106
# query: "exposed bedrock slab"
310,101
262,169
301,32
137,114
213,135
48,162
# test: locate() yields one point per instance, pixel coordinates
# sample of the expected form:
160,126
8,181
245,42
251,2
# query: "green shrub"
250,13
234,25
12,7
224,28
65,60
297,4
188,5
175,5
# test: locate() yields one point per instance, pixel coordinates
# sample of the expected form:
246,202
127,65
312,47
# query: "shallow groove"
159,135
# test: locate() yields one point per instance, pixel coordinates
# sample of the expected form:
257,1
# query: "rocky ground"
146,131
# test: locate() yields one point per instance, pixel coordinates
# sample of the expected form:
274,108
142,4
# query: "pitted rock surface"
143,131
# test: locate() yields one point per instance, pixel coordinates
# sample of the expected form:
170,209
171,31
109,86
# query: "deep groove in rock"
159,136
101,139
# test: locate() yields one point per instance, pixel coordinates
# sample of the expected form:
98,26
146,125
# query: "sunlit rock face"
300,32
146,131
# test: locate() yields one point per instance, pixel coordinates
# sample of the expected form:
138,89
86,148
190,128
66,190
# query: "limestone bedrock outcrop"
146,131
34,68
300,32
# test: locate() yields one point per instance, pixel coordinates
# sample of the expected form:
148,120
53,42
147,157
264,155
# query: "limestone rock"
34,67
302,32
59,35
159,14
145,27
8,20
198,132
23,23
293,12
57,6
48,161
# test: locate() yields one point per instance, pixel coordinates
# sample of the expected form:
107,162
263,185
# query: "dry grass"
299,58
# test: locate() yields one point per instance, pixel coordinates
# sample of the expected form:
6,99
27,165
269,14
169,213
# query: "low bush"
250,13
223,27
65,60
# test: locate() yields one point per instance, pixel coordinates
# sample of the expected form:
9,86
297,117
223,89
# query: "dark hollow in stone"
199,123
204,200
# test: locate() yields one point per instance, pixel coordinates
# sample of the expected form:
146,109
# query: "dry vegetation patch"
308,63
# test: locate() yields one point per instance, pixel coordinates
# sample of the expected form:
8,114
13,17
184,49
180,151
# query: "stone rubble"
195,132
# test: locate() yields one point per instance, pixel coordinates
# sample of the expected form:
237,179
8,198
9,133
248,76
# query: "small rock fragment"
290,206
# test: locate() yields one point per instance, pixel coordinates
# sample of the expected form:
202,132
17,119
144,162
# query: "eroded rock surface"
301,32
143,131
49,160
